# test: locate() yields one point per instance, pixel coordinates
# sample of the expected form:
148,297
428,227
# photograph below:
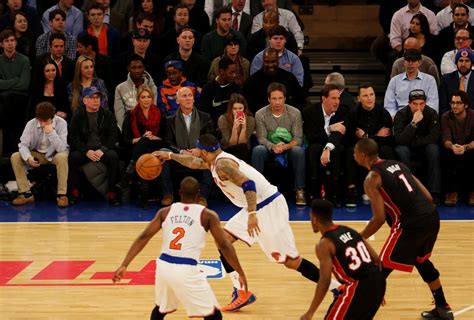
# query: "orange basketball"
148,166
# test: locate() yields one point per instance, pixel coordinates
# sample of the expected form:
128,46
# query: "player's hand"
162,155
119,273
307,316
326,157
253,228
243,282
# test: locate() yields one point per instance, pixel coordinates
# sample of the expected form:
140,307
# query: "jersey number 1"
180,234
405,181
357,255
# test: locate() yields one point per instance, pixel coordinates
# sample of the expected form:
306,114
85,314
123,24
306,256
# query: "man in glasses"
462,38
457,133
417,131
461,79
460,17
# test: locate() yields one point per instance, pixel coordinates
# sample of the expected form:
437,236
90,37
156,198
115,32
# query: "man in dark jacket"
93,135
417,133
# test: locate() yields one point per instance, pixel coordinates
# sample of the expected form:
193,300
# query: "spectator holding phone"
236,127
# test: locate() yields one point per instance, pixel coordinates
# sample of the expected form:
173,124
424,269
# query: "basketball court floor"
57,264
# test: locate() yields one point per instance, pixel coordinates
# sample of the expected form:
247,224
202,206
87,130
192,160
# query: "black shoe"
113,199
351,200
440,313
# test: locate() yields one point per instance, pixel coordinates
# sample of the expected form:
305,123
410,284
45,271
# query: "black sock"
156,315
228,268
217,315
27,194
308,270
438,295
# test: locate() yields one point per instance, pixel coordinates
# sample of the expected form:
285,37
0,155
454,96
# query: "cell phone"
240,114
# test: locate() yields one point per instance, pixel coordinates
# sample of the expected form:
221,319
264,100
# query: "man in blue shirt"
74,17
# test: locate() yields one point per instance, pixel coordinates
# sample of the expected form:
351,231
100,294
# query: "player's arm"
372,185
186,160
425,191
224,245
229,170
137,246
325,250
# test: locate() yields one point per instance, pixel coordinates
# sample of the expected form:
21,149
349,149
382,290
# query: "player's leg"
217,315
309,271
156,314
430,275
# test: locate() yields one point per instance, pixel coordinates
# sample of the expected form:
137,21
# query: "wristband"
249,185
252,212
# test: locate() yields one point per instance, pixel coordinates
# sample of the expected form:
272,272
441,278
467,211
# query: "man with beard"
458,80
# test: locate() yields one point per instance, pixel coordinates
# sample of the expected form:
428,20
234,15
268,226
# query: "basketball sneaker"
240,299
441,313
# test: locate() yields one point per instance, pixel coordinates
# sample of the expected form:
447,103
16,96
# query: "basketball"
148,167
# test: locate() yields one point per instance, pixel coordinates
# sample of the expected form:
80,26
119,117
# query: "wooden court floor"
29,289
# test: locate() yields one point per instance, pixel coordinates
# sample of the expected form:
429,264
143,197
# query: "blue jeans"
296,155
430,156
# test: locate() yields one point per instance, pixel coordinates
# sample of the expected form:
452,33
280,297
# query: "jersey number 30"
357,255
174,244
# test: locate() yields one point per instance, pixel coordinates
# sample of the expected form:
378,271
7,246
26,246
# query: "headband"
208,149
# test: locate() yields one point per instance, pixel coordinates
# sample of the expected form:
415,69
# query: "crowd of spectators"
100,83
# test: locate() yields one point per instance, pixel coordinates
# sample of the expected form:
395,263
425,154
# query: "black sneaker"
351,200
440,313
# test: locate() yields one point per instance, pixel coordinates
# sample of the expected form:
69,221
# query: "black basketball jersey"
352,261
405,203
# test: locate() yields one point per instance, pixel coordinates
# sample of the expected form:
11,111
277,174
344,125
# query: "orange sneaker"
240,299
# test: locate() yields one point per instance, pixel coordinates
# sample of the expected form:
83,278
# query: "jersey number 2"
180,234
357,255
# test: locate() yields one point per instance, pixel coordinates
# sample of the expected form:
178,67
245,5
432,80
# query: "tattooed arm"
229,170
186,160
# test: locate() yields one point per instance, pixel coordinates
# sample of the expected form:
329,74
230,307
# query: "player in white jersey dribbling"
264,217
178,279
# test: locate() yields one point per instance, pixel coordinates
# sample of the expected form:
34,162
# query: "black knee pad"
216,316
427,271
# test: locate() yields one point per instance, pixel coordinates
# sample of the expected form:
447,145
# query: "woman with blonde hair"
84,77
236,127
142,132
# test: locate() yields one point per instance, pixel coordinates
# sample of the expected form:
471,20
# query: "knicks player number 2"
180,234
405,181
357,255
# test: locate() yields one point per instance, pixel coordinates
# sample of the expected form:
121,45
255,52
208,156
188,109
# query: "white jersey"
235,193
183,233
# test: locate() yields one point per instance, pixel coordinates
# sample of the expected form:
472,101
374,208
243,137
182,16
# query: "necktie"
461,83
235,22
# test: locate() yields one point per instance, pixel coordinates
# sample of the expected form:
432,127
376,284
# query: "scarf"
139,123
101,39
185,139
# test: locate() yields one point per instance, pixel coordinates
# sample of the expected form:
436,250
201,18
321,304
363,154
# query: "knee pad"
427,271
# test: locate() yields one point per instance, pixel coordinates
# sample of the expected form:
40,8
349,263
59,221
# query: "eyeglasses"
456,103
461,38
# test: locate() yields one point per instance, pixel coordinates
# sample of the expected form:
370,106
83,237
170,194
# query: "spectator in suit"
241,20
44,140
184,128
56,23
345,97
93,135
427,64
460,21
417,133
457,133
255,87
211,6
279,128
462,39
74,21
325,127
461,79
236,126
108,38
396,96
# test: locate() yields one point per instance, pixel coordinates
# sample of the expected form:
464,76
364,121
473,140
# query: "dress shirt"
327,119
445,17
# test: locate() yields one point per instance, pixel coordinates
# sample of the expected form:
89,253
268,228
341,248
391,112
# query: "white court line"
463,310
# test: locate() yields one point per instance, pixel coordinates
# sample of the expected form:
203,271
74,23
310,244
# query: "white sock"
334,284
234,276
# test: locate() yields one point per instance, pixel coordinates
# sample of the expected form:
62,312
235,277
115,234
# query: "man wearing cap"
458,80
93,135
396,96
167,98
417,132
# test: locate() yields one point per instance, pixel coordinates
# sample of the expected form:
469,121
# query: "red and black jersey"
405,203
352,261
